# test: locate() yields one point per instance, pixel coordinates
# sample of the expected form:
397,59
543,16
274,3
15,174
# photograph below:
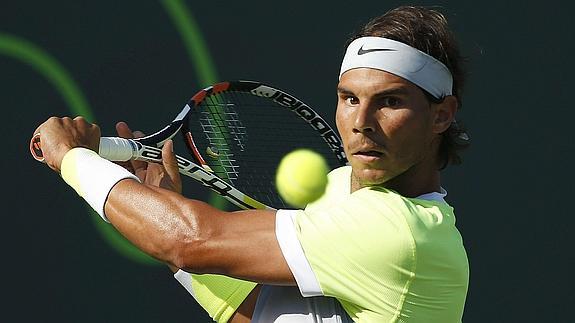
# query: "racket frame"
148,148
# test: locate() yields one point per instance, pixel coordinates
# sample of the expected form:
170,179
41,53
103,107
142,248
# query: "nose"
364,120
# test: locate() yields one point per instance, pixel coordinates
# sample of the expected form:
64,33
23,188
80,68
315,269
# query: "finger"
37,130
171,165
36,146
138,134
95,140
124,130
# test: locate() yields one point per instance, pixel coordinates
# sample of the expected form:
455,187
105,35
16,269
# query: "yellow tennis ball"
301,177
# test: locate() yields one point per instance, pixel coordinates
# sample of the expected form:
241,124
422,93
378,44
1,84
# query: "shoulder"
373,214
368,215
409,209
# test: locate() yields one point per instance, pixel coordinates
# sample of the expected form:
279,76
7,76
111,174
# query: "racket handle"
111,148
117,149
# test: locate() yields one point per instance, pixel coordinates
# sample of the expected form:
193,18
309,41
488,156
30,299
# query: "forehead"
369,80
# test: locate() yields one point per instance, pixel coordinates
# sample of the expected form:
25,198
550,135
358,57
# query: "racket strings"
247,136
223,129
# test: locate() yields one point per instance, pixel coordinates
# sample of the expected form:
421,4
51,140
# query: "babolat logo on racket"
150,153
306,113
211,181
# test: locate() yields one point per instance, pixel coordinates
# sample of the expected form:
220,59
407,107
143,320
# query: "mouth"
372,153
368,154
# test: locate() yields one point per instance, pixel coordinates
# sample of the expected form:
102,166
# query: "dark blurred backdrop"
128,60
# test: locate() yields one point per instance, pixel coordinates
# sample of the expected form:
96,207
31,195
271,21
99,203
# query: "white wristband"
92,176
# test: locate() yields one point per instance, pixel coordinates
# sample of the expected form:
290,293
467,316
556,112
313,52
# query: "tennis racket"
236,134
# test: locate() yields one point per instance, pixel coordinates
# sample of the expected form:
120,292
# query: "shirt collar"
434,196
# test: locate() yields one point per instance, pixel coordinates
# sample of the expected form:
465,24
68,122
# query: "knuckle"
52,119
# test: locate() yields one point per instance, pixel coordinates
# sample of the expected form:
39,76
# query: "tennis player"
380,246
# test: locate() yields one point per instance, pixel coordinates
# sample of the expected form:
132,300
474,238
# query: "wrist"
92,176
63,149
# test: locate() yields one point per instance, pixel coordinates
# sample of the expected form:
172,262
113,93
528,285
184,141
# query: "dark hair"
427,30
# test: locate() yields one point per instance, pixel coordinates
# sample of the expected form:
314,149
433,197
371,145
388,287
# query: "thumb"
171,165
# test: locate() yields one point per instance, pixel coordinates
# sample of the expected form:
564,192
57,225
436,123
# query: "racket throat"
194,151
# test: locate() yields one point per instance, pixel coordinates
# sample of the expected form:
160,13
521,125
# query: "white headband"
399,59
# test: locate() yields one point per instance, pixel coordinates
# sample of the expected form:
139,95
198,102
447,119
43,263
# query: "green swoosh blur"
199,56
56,74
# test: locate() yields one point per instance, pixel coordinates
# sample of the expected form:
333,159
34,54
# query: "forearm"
184,233
225,299
196,237
157,221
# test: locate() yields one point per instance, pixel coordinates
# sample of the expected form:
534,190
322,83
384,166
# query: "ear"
444,114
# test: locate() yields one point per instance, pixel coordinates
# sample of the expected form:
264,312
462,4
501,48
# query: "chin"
371,177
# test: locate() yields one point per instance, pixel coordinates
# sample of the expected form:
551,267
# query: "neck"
415,182
421,178
412,183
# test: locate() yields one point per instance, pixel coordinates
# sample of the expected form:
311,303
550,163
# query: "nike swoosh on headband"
362,51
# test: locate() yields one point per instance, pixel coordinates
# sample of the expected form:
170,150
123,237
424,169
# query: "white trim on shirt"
294,255
185,279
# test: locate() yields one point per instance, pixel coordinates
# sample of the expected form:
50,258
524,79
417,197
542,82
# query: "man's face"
385,123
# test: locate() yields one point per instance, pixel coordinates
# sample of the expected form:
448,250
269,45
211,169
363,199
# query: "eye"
391,101
351,100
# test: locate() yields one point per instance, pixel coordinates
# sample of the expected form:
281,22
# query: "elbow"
189,247
185,254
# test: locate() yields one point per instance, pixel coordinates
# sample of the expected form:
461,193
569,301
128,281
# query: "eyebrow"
393,91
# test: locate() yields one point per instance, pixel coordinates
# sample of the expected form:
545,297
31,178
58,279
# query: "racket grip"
117,149
111,148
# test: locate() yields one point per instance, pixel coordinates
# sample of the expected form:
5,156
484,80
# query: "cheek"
341,121
337,118
407,131
397,124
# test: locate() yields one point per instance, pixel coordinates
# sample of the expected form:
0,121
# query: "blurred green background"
134,61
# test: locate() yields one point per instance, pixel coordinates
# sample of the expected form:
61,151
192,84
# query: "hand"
165,175
59,135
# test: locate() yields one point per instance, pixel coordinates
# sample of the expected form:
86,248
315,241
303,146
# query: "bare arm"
166,176
197,237
184,233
